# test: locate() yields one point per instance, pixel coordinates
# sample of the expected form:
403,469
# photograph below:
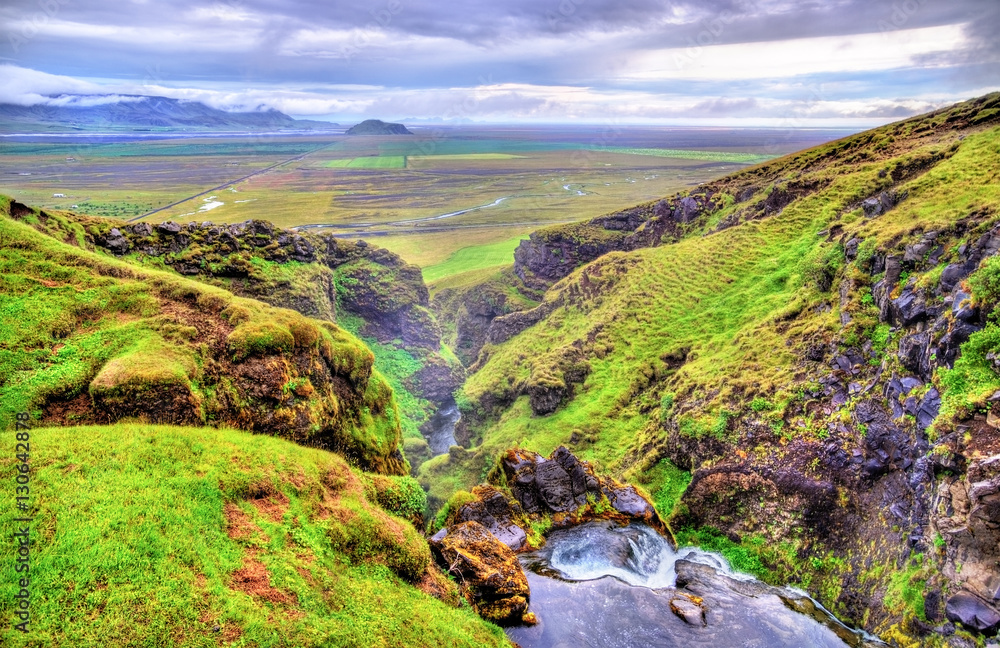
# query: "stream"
440,429
601,586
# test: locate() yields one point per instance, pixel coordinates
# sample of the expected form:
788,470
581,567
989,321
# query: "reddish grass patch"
273,506
254,579
239,526
231,634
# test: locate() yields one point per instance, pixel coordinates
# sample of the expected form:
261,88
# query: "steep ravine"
812,341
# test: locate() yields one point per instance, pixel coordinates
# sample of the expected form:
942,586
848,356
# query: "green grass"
134,543
666,484
744,559
685,154
369,162
468,259
396,365
464,156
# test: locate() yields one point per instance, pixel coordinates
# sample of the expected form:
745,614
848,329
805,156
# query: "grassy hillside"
696,331
167,536
86,338
802,375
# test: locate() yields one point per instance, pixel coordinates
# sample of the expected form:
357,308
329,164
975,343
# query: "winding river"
601,586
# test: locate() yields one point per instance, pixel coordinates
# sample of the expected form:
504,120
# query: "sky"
784,63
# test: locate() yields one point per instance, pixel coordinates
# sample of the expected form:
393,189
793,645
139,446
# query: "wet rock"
496,513
562,484
689,608
555,487
929,409
488,571
972,612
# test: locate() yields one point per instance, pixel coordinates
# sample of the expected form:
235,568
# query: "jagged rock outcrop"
364,280
165,349
488,572
924,491
552,253
561,488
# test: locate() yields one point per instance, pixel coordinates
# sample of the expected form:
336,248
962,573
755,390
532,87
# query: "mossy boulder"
491,576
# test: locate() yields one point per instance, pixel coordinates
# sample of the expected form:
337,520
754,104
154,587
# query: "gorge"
789,372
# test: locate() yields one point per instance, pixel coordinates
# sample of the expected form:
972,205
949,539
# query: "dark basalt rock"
142,229
497,514
883,202
973,613
115,242
562,484
169,227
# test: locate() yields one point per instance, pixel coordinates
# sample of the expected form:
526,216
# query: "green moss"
259,339
665,482
458,500
148,365
905,593
973,378
742,557
400,496
985,282
152,534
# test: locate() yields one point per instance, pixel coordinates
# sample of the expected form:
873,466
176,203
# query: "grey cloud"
725,106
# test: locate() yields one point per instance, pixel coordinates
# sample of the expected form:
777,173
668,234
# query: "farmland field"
451,199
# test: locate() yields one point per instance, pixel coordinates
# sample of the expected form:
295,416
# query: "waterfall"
440,429
598,585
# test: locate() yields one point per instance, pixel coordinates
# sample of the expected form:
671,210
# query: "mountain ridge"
141,113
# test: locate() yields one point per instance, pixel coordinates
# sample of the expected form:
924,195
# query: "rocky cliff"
92,339
379,296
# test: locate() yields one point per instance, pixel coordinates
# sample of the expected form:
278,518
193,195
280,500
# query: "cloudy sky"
753,62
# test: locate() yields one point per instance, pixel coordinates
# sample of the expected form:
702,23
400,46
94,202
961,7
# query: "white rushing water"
599,585
637,555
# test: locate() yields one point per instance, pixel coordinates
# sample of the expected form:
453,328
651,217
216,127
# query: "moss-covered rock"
491,576
122,341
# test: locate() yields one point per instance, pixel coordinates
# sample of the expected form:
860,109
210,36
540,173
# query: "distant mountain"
378,127
142,113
